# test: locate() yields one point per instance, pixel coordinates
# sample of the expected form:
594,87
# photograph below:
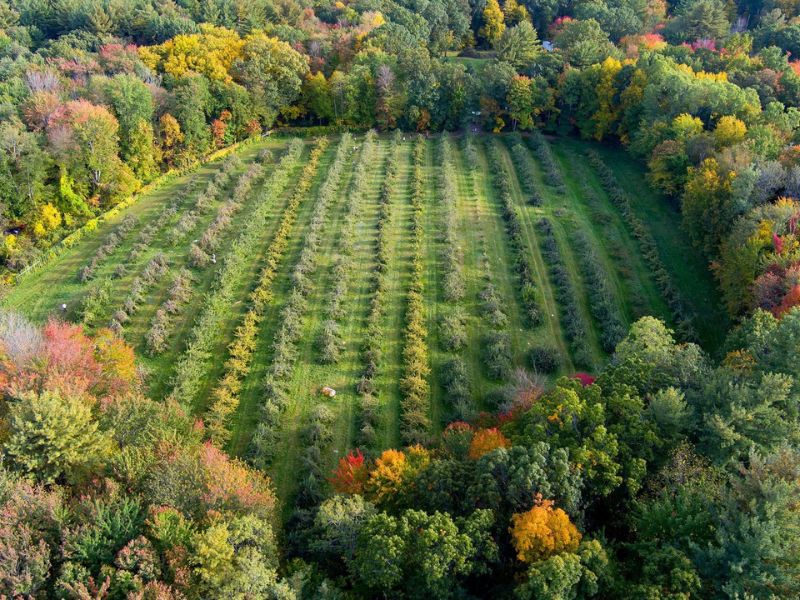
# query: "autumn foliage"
351,474
542,532
62,358
486,440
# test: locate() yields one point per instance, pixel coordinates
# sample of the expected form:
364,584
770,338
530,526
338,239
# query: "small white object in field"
328,391
214,258
64,307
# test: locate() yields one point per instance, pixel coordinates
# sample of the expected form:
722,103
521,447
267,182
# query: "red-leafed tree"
351,474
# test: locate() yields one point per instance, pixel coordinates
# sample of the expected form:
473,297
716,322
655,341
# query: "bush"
491,307
455,381
329,344
544,359
496,354
453,331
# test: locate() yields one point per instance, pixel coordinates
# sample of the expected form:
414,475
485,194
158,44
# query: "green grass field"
580,208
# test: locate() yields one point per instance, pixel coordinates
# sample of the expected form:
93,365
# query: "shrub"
453,330
552,172
491,307
496,354
329,344
544,359
455,381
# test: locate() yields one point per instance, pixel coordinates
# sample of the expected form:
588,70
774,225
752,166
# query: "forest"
460,299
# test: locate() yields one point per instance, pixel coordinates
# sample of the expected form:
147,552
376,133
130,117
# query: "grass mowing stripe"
192,365
396,264
637,293
596,285
41,292
686,267
226,393
471,235
527,244
272,438
684,315
497,264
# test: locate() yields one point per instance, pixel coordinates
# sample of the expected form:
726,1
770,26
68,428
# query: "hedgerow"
647,246
415,404
522,265
152,273
491,307
192,365
453,330
284,347
622,258
544,359
455,380
575,329
207,197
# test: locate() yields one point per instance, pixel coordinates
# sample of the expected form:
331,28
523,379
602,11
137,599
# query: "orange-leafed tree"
790,300
542,532
486,440
351,474
386,477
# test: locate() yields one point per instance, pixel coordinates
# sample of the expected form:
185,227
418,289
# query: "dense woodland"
633,462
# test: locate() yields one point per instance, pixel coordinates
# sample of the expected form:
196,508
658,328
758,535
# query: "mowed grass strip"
550,332
398,275
473,223
210,333
637,292
41,294
685,264
558,207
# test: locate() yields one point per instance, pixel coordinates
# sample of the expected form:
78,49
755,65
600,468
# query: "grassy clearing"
580,208
684,263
